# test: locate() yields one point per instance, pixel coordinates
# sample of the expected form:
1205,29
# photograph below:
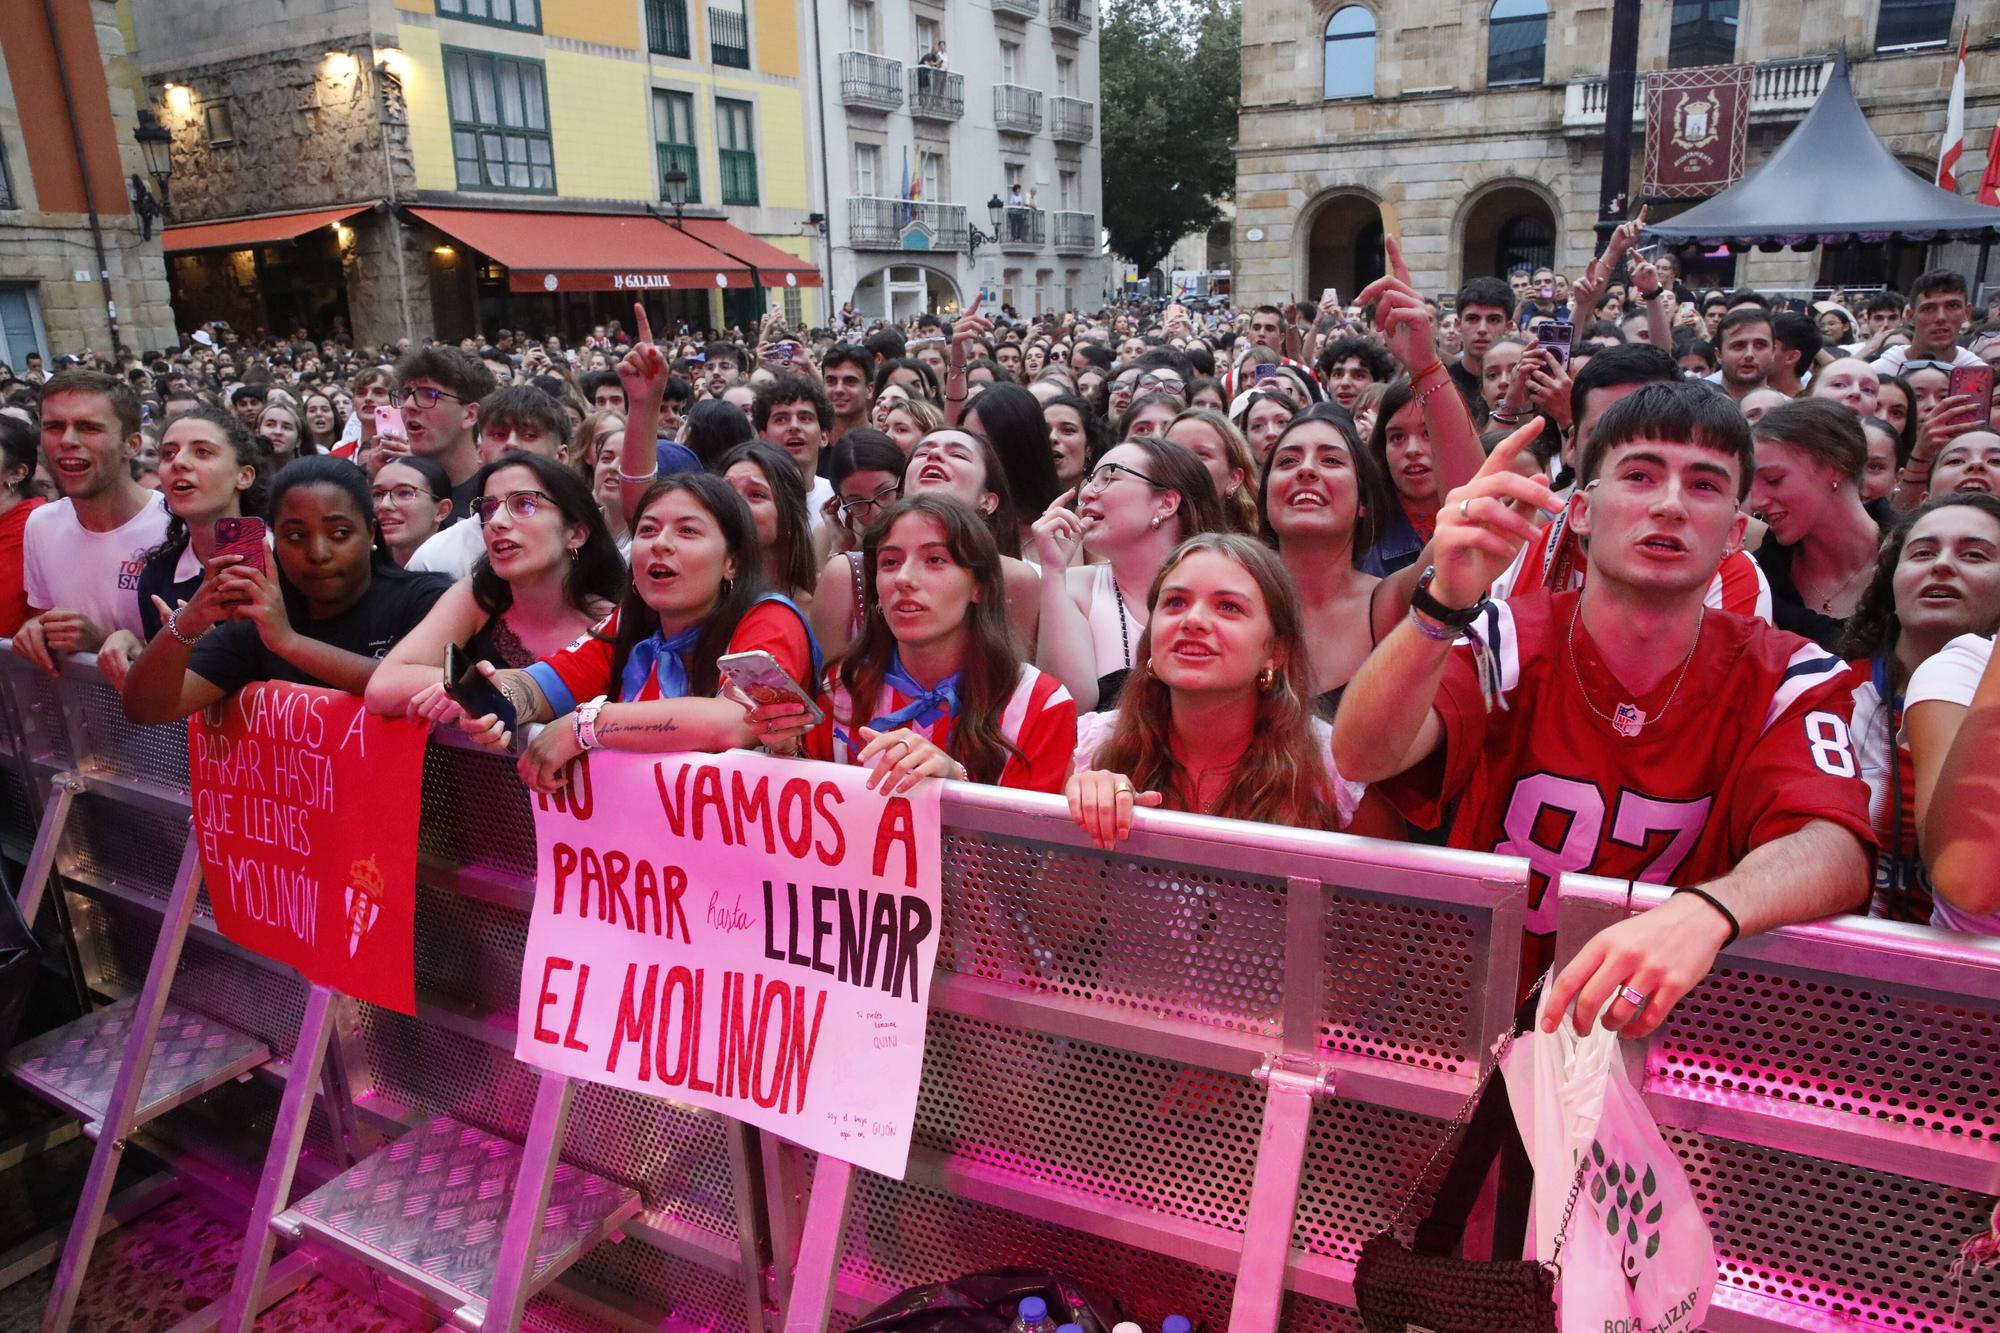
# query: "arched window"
1526,240
1350,53
1703,33
1517,41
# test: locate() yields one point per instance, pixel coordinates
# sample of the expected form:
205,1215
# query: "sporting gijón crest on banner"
306,807
746,934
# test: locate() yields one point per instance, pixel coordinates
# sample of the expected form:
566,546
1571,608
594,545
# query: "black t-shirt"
231,655
1788,609
1468,389
157,579
462,497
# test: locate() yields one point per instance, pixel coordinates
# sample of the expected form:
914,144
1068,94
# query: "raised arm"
1387,722
643,372
1062,644
1405,320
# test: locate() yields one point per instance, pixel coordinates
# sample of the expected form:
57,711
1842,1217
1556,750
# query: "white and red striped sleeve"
1041,722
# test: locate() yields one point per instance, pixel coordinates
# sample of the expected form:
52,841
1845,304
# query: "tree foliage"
1171,88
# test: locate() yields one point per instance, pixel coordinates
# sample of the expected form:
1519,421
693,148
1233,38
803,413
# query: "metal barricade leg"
1274,1197
522,1235
274,1187
744,1184
118,1113
1295,1078
811,1303
63,791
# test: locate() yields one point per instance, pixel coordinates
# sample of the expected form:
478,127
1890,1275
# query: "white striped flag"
1954,124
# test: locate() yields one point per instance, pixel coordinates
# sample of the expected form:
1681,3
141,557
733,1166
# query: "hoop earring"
1265,678
727,584
575,551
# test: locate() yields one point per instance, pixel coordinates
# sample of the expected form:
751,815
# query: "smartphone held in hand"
242,537
471,690
1974,382
758,677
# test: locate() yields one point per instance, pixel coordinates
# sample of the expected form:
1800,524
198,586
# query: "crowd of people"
1689,588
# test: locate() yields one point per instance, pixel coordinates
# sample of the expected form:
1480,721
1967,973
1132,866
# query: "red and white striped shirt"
1039,720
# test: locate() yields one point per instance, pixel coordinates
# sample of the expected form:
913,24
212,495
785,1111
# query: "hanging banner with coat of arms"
1697,123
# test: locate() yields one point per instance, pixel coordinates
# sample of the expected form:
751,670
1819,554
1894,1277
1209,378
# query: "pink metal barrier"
1194,1071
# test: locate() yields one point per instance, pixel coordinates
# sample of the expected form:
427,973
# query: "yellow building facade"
602,64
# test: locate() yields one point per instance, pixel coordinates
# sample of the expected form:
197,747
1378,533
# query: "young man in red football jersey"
1625,729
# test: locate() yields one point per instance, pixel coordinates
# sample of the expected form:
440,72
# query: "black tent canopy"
1832,183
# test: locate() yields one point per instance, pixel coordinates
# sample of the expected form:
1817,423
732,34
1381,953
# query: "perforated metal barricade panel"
154,755
1169,941
902,1234
1833,1091
1847,1245
1869,1051
1400,981
1091,1120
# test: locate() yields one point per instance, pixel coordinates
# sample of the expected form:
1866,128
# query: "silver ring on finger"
1465,509
1632,996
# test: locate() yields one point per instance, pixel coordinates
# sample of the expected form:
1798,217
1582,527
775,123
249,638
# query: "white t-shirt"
452,551
1951,676
1892,361
817,495
1093,733
66,565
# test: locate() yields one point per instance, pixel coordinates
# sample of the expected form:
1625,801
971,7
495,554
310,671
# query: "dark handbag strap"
1467,1112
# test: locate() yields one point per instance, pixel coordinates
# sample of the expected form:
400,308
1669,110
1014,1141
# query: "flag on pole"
907,214
1954,124
1989,184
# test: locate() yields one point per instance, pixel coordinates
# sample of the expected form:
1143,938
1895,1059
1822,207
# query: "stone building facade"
55,297
354,116
1435,120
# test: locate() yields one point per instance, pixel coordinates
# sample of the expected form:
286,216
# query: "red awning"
774,267
242,233
588,252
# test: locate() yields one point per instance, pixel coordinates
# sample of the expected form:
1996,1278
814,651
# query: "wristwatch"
1431,608
583,722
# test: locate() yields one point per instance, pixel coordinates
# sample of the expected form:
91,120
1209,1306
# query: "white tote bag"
1638,1257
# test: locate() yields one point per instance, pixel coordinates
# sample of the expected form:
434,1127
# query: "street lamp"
675,181
157,144
975,237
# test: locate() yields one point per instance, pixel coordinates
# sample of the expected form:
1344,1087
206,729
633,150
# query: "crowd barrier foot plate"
430,1207
75,1066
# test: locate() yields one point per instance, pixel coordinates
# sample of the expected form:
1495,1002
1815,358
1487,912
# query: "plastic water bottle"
1127,1327
1031,1317
1177,1323
1069,1328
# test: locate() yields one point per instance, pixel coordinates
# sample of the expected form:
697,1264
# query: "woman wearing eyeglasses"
325,616
933,687
412,502
867,476
550,570
646,679
1142,499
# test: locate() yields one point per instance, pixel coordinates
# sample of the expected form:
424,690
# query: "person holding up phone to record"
933,687
647,679
216,477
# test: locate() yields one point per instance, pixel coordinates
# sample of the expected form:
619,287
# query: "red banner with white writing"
1697,127
306,807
